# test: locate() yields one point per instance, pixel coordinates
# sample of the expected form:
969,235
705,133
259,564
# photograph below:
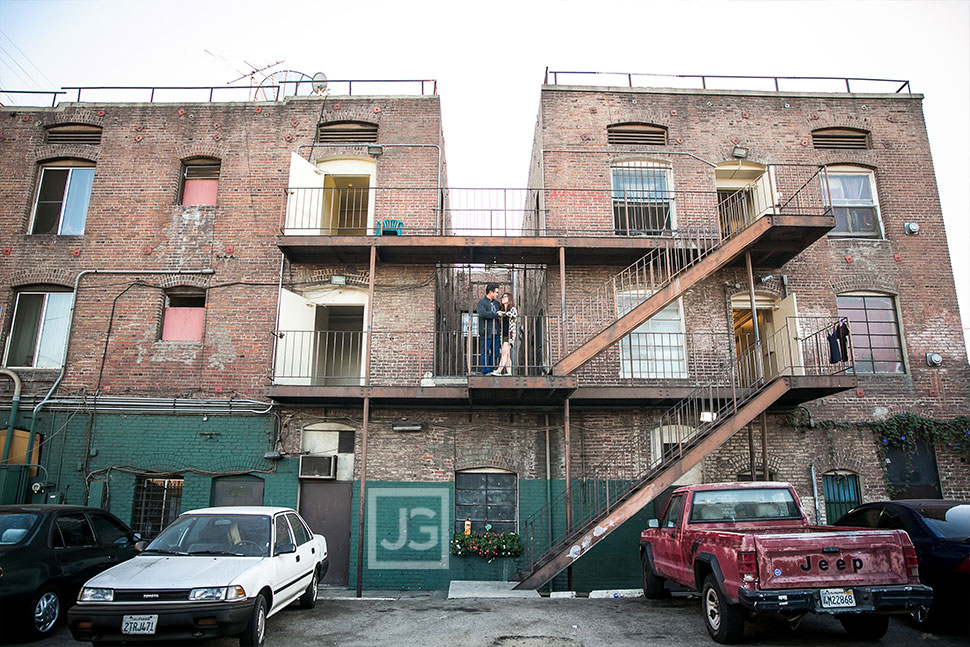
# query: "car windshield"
747,504
211,534
950,521
16,526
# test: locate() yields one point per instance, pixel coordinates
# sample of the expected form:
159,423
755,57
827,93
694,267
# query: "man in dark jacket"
488,327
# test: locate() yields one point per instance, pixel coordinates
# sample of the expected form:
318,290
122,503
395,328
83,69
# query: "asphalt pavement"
430,620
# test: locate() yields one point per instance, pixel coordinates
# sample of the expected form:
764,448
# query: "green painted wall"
419,557
198,447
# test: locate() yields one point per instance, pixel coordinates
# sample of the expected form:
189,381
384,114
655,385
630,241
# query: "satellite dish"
319,82
284,83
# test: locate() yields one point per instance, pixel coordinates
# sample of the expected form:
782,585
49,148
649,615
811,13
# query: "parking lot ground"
429,620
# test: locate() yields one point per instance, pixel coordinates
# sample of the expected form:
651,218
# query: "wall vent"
74,134
840,139
636,134
347,132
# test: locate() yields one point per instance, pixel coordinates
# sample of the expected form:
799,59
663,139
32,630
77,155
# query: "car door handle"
112,558
297,558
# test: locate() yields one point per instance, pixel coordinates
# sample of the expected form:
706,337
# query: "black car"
940,531
47,552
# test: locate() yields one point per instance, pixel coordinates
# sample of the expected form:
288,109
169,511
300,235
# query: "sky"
489,59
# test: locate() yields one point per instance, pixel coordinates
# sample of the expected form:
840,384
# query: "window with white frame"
642,201
63,196
873,330
655,349
38,336
854,203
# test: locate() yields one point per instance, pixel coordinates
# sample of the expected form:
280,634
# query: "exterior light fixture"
404,425
273,455
740,152
934,359
766,278
375,149
911,228
337,279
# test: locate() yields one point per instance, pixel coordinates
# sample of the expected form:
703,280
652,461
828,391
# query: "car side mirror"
653,523
283,549
136,536
141,545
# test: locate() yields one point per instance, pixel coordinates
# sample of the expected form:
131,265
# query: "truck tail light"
964,566
747,566
912,565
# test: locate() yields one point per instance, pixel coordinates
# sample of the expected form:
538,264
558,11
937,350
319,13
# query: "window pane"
200,193
50,198
469,497
874,332
109,531
76,205
75,530
473,512
53,334
500,512
466,480
506,497
183,324
299,530
26,326
282,533
862,220
501,481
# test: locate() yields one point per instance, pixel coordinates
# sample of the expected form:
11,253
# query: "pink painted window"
200,182
184,318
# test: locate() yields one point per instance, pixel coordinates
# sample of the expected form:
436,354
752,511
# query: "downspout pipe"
70,326
14,406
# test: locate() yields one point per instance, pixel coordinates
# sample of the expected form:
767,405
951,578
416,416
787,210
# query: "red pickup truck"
748,548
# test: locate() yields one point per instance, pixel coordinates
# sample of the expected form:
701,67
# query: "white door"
789,359
305,199
296,341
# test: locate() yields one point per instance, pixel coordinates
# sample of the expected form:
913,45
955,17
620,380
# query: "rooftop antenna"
284,83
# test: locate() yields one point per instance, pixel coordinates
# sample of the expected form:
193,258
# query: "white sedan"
212,572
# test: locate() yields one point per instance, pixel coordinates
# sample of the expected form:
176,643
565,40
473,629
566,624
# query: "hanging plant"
487,545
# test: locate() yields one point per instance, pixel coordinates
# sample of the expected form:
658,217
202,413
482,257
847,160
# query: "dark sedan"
940,531
46,553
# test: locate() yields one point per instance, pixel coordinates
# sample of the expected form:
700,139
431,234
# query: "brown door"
325,505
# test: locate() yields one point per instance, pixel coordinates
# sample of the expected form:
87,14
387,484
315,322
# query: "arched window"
63,196
873,332
840,138
486,496
854,204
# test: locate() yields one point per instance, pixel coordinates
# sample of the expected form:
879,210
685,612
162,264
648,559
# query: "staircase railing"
597,491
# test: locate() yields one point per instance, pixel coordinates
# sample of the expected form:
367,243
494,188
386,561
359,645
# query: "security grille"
157,503
841,492
636,134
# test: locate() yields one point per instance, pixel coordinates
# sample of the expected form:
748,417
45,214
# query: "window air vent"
840,138
318,467
347,132
636,134
74,134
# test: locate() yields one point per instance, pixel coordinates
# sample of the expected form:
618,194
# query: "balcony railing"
429,358
402,211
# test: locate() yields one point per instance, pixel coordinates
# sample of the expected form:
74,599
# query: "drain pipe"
14,406
70,325
818,515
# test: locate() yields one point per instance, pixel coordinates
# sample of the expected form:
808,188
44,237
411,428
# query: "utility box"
13,482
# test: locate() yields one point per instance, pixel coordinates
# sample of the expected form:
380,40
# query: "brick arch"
200,149
867,281
86,117
187,280
49,276
741,462
866,159
829,120
50,152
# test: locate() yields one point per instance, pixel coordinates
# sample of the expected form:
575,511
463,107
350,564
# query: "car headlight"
89,594
208,594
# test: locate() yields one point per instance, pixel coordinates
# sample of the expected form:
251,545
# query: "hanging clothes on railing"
839,342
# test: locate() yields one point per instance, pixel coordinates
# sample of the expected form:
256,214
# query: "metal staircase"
664,273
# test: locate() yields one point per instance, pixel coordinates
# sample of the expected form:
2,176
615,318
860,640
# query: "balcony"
425,368
595,226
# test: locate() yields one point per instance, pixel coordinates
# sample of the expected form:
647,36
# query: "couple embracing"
496,330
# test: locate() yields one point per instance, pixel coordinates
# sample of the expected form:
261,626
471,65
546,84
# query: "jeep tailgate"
820,559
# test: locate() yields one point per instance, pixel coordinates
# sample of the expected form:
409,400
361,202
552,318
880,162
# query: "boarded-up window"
342,132
200,182
840,138
184,318
74,134
636,134
486,497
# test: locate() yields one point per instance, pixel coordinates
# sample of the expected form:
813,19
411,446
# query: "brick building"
276,302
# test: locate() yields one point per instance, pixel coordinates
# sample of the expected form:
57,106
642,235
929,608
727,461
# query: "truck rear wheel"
865,626
653,585
724,621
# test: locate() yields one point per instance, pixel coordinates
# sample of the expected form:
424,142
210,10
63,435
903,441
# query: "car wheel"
653,585
724,621
255,633
309,598
865,626
46,611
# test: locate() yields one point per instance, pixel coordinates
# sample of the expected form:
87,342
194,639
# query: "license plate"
835,598
138,624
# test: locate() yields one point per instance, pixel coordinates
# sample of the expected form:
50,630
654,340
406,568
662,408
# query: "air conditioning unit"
318,467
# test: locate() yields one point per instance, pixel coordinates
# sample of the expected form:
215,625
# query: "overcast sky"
489,58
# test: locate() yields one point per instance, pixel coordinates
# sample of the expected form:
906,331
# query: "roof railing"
205,93
710,81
